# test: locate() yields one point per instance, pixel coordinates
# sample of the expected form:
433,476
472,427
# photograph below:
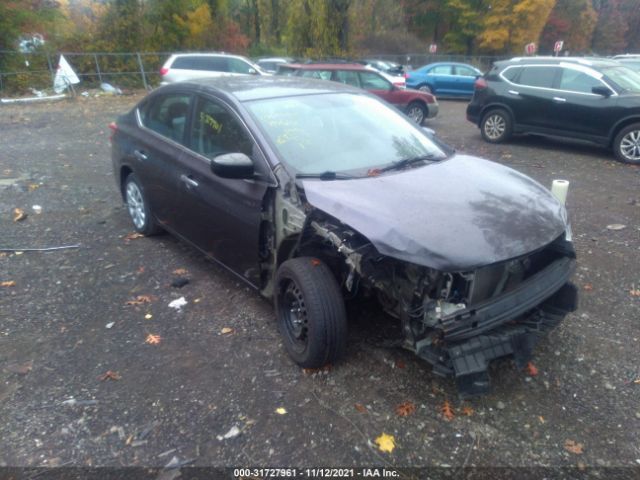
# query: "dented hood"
453,215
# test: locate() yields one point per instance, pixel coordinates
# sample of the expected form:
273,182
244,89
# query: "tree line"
322,28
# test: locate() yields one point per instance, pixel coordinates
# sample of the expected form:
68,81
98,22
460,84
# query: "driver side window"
216,131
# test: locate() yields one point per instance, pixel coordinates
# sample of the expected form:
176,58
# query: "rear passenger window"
512,73
167,115
238,66
319,74
466,71
347,77
575,81
442,70
538,76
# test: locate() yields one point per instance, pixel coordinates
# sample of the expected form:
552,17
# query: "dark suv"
588,99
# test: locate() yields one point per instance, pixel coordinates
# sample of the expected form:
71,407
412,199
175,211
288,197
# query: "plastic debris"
616,226
233,432
110,324
45,249
178,303
108,88
72,402
37,209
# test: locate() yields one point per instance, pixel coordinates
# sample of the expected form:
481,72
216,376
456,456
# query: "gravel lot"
66,322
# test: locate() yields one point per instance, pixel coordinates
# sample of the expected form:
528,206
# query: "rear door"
378,85
443,79
158,149
465,79
532,95
222,216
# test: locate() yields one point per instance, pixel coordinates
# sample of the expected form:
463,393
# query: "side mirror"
602,90
232,165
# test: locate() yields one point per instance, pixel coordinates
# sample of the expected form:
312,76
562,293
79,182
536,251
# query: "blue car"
444,79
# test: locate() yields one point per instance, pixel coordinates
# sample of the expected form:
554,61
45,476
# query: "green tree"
609,34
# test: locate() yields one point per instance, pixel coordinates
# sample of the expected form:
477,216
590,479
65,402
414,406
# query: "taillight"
405,75
164,71
480,84
113,126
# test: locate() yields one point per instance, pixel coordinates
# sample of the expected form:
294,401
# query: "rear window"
534,76
318,74
511,73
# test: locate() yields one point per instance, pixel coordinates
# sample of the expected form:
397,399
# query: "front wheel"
310,312
417,112
496,126
627,144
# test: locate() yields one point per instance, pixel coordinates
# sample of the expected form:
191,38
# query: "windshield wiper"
328,175
405,162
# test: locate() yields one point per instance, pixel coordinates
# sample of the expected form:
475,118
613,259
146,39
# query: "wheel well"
124,173
488,108
419,101
620,126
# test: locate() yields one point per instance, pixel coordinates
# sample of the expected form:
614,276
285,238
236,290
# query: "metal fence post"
144,78
51,70
95,56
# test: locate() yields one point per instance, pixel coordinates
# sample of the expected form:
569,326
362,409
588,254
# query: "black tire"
138,207
315,334
626,145
425,88
496,126
417,112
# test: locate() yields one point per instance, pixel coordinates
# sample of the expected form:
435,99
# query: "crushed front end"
457,321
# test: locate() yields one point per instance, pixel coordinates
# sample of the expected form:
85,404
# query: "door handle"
559,99
140,155
513,92
189,182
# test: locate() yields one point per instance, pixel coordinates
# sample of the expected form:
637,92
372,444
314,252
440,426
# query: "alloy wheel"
416,114
495,126
630,146
135,205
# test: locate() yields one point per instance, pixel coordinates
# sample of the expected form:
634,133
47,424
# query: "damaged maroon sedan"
313,191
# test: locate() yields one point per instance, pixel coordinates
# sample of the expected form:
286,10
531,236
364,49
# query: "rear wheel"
310,312
417,112
138,207
627,144
496,126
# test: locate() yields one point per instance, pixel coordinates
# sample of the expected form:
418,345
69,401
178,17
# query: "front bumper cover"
510,324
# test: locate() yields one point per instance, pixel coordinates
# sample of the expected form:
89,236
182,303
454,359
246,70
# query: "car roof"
247,88
459,64
329,66
585,61
211,54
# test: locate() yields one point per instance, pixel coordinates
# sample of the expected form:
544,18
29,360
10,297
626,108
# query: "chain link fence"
20,72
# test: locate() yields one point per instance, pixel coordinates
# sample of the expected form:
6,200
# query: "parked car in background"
313,191
444,79
417,105
187,66
270,65
590,99
630,61
384,66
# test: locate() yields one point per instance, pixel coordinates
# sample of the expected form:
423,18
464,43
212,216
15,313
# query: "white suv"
186,66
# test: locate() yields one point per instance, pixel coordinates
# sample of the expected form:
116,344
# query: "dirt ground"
220,364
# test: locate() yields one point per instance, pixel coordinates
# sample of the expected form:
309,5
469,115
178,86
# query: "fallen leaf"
315,262
18,215
140,270
447,411
153,339
109,375
467,410
8,283
400,364
635,292
139,300
573,447
132,236
148,316
20,369
197,300
588,287
33,186
541,418
361,408
405,409
3,254
531,369
386,443
281,411
311,371
226,330
180,271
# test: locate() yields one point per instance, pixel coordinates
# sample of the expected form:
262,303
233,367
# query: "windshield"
624,77
339,133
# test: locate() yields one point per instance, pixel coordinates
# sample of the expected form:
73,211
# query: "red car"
416,104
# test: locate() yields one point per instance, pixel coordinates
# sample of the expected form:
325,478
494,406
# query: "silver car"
189,66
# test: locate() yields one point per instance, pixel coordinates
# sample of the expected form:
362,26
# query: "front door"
222,216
